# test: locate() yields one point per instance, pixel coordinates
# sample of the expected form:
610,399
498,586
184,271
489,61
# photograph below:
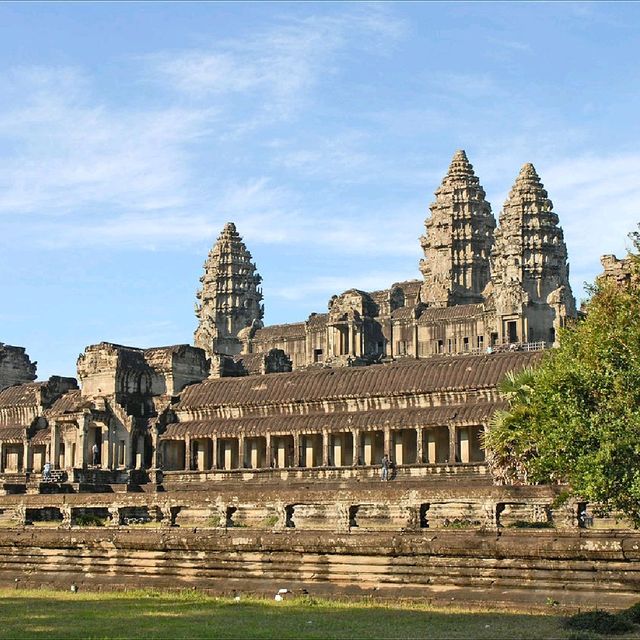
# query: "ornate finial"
460,165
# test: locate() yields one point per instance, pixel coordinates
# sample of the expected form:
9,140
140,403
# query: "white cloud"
279,65
64,152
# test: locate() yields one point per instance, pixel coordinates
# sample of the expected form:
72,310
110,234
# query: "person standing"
95,452
386,463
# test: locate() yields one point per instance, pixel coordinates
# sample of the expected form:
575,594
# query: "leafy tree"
576,418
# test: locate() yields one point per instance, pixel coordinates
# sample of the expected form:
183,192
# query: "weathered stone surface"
458,239
15,366
529,288
230,298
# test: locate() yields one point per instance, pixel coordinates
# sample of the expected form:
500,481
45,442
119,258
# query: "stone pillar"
452,444
352,339
416,351
2,448
241,452
55,445
140,452
187,452
356,447
111,428
325,448
27,456
387,442
296,450
83,436
268,452
419,445
214,452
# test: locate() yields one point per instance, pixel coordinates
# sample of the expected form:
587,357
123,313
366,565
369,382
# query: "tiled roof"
70,402
403,313
420,376
318,319
252,362
20,395
275,331
335,422
12,433
42,436
460,311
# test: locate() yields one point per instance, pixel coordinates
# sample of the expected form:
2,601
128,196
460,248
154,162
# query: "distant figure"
386,463
46,472
95,451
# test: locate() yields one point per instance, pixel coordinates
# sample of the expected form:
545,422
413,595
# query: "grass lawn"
150,614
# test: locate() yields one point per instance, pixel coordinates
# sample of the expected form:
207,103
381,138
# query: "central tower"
230,299
458,239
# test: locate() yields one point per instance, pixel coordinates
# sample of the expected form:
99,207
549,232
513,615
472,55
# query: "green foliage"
633,613
271,521
600,622
89,520
576,418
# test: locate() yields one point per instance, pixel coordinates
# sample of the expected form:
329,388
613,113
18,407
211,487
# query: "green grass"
152,614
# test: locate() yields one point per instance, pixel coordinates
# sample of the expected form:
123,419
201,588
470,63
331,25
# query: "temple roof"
476,414
419,376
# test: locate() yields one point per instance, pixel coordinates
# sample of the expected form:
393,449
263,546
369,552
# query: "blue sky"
130,133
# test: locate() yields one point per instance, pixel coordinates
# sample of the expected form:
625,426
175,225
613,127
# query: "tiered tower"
530,273
230,298
458,239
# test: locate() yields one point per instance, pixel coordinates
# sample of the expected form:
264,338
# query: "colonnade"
422,445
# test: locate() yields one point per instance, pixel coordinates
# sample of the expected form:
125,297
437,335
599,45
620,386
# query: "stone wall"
15,366
461,540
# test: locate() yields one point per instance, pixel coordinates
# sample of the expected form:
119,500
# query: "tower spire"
230,298
529,259
458,239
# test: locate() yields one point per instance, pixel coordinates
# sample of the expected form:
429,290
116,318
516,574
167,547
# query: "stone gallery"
255,454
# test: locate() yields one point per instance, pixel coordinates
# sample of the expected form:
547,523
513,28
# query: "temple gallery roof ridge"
418,376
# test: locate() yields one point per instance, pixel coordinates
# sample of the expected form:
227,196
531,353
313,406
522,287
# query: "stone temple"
253,456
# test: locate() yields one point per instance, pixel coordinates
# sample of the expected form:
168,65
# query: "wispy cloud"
280,65
65,152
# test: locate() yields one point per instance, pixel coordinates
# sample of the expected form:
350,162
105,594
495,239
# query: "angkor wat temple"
256,452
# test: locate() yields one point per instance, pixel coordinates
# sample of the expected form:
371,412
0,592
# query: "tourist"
46,472
386,463
95,452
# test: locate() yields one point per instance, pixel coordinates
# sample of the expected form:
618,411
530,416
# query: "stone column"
55,445
452,444
187,452
432,454
214,452
27,456
419,445
2,447
356,447
387,441
296,450
352,339
268,452
83,444
325,448
110,433
241,452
